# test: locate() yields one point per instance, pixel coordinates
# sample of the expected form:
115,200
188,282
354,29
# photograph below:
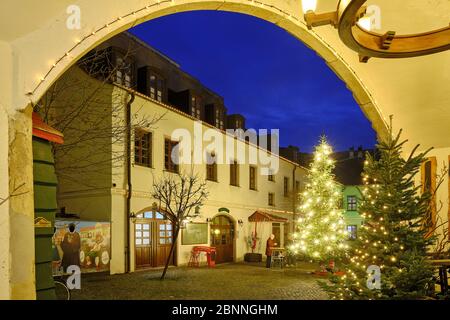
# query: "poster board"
195,233
92,240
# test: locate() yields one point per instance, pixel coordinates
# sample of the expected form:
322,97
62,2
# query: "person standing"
269,245
71,245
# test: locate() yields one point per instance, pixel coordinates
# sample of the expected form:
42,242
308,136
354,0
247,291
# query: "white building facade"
140,235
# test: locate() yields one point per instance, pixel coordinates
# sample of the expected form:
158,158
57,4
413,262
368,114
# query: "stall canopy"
44,131
261,216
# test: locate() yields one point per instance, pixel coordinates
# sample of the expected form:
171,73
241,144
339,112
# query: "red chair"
194,259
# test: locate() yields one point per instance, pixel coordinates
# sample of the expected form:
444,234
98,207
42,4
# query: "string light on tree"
394,236
321,233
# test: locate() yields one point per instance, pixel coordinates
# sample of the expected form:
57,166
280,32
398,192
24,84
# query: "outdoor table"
278,255
277,250
443,264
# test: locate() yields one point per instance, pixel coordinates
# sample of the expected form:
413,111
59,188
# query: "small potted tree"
253,241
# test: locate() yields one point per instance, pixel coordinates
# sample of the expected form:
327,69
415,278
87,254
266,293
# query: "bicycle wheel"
61,290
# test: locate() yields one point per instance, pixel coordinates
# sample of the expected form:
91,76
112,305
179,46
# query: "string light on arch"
287,15
79,41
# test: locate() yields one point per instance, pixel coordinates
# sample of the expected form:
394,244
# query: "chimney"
360,152
351,153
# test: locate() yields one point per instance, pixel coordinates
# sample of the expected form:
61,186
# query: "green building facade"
351,199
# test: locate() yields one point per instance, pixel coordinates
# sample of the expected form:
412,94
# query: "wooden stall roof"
261,216
44,131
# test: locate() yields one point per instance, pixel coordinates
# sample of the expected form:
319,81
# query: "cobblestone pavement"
227,281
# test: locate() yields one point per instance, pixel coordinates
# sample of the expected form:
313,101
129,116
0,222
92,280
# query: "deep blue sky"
264,73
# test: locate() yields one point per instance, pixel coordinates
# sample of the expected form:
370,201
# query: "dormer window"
151,84
196,107
219,118
122,71
156,87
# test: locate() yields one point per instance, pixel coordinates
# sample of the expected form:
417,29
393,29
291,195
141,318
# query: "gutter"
294,200
129,184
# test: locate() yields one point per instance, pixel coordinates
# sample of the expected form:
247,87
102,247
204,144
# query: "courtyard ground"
237,281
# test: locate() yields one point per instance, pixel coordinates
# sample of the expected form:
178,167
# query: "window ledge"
136,165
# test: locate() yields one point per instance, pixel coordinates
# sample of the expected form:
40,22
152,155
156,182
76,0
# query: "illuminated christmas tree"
321,234
388,260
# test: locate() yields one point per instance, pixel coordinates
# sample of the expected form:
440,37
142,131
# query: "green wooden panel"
42,151
42,243
46,294
45,207
44,277
44,173
44,231
44,197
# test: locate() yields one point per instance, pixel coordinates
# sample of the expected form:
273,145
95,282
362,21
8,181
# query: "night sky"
264,73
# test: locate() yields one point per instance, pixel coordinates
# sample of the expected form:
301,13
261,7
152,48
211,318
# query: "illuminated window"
352,204
352,231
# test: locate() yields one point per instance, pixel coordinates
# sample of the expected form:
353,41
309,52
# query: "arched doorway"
222,238
153,237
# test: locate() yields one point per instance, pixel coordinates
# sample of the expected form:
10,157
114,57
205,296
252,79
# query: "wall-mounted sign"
224,210
195,233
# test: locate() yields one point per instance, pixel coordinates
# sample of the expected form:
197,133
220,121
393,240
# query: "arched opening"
222,236
153,237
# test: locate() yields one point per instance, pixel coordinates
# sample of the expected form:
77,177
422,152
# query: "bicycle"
61,290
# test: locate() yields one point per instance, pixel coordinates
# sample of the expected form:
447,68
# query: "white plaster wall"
241,201
5,89
442,195
4,209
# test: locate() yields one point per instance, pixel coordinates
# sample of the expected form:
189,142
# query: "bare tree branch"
91,115
179,195
15,193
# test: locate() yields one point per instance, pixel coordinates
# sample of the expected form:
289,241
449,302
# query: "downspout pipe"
129,183
294,199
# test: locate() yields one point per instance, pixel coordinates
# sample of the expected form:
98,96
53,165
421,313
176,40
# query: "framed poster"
195,233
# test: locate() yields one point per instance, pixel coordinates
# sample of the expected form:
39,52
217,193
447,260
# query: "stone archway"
43,49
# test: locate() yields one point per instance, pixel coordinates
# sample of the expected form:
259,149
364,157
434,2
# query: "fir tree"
321,233
395,234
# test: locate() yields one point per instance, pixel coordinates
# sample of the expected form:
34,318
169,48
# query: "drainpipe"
129,184
294,199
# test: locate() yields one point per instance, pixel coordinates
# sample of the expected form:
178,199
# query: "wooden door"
164,238
222,237
153,239
143,243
